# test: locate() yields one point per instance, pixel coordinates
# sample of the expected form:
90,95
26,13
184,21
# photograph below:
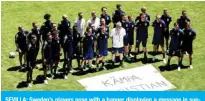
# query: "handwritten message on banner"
144,78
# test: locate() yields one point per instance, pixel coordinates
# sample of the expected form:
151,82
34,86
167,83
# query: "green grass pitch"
24,13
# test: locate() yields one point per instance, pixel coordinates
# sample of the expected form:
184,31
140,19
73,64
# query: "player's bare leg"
163,54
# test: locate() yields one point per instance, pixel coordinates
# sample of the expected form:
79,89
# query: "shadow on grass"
14,68
171,67
22,84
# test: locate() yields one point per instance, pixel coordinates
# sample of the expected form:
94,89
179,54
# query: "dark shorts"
102,53
126,40
131,41
56,59
173,52
144,43
88,55
187,49
120,50
158,42
166,34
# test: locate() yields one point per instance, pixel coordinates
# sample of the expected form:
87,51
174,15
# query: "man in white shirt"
95,21
117,35
79,24
78,34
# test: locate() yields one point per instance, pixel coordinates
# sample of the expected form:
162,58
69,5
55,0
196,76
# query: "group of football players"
85,41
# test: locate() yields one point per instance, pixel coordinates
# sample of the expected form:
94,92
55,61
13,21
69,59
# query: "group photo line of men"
85,41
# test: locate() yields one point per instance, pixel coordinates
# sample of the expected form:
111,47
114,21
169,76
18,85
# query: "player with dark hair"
46,27
105,16
182,20
117,14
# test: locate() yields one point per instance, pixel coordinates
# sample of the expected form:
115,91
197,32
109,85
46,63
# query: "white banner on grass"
144,78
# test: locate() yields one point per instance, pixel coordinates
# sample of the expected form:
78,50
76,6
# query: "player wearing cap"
31,58
21,44
46,27
131,33
143,11
142,34
117,34
64,28
167,19
117,14
187,46
158,38
176,35
78,34
102,41
105,16
182,20
126,26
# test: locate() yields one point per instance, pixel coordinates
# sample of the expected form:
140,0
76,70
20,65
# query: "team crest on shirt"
178,33
145,24
160,25
107,18
68,24
106,37
126,25
189,33
132,26
91,38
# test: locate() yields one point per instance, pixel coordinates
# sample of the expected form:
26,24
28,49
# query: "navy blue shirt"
146,15
107,18
35,32
189,36
102,41
126,26
21,39
142,29
47,50
30,55
117,16
167,19
45,28
56,47
64,28
88,44
176,39
68,44
182,22
132,27
106,29
158,29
